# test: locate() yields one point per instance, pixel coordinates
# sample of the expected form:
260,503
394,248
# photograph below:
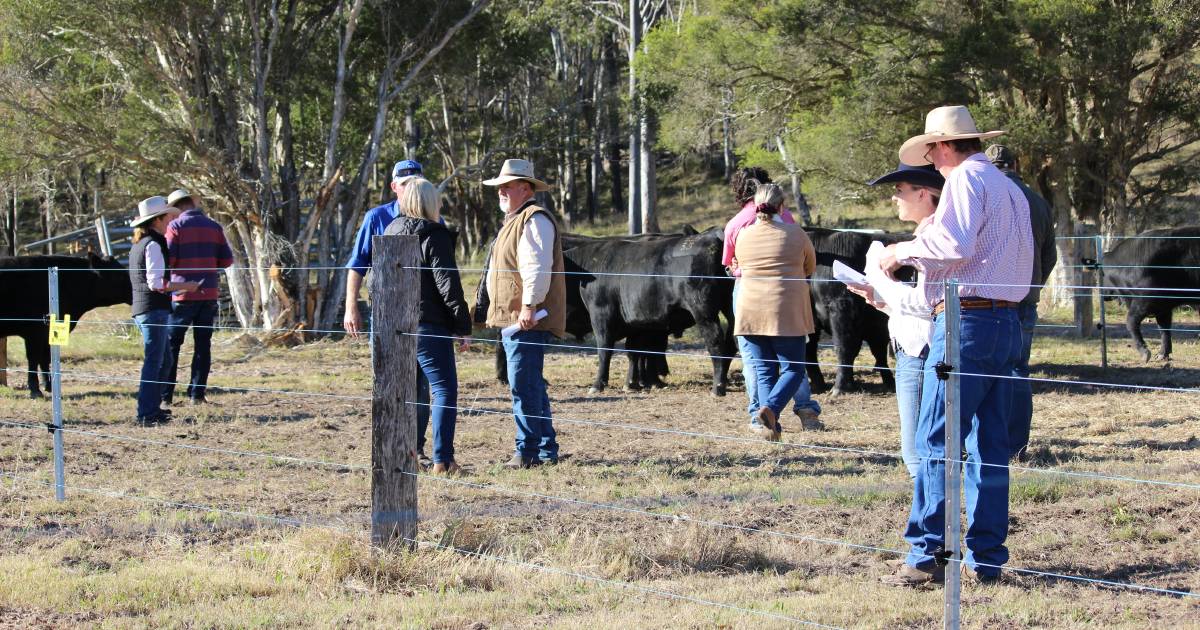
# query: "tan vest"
504,283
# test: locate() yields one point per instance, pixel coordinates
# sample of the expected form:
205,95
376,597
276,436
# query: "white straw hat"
150,209
517,169
952,122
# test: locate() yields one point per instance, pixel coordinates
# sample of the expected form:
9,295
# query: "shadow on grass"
1139,573
1161,375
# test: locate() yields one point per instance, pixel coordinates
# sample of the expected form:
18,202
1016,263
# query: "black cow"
657,284
1154,276
842,314
83,284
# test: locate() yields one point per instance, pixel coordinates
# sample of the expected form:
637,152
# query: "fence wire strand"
644,428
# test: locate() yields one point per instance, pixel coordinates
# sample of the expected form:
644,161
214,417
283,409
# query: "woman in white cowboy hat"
152,287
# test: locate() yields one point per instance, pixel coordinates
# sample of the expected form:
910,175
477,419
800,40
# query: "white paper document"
846,274
509,331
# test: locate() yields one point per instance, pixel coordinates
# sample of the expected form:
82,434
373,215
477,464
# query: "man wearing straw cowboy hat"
198,251
525,277
980,236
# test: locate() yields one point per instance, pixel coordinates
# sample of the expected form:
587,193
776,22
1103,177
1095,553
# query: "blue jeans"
155,352
199,315
909,374
803,397
778,364
990,346
437,386
531,401
1022,415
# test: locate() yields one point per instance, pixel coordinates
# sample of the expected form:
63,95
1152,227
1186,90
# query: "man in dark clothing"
1044,259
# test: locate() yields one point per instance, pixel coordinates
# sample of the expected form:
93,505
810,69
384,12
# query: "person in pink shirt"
744,184
980,236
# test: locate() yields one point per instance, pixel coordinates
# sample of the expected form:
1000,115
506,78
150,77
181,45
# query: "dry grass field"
714,516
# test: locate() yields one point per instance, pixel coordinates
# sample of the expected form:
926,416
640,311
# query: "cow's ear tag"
60,332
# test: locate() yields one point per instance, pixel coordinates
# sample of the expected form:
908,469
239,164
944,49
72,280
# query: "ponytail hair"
768,200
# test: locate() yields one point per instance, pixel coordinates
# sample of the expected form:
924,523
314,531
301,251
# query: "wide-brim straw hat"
952,122
150,209
514,170
177,196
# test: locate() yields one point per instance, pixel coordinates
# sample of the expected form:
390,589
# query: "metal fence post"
953,513
1100,294
395,300
56,394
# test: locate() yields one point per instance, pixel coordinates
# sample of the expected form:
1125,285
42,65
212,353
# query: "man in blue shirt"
374,223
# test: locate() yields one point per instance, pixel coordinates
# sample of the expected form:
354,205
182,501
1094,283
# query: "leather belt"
974,303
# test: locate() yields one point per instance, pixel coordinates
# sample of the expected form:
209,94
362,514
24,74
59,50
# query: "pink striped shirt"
980,236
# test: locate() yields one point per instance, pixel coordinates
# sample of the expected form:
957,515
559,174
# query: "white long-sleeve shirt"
535,259
156,267
910,320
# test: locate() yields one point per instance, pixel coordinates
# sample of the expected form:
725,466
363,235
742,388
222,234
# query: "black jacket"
442,300
146,299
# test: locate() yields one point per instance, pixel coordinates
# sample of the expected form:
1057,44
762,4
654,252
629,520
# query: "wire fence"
597,505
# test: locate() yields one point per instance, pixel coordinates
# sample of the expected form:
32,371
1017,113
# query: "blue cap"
919,175
404,168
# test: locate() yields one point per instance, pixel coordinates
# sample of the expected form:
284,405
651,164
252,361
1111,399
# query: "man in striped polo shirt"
980,236
197,250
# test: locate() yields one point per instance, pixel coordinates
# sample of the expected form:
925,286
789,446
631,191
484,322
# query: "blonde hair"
771,196
421,200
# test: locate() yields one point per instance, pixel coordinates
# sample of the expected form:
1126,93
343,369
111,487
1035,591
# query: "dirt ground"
667,493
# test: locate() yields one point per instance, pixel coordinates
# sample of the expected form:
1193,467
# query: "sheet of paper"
886,288
846,274
509,331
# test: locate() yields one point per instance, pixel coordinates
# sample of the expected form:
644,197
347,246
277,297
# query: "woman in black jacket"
444,315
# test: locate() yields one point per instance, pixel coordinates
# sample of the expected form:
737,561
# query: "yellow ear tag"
60,332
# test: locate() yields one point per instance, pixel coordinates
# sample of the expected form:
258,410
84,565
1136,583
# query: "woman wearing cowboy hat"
918,189
152,288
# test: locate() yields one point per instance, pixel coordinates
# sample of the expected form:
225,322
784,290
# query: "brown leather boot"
450,469
768,425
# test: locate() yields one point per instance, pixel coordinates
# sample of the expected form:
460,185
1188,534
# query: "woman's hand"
866,292
464,343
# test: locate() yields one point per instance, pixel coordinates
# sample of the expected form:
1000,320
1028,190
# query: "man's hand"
186,287
351,321
888,262
526,320
464,343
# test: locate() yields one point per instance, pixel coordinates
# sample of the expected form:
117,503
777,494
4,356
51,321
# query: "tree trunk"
727,155
613,132
647,163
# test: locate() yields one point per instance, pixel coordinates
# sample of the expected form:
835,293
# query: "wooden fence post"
395,302
4,361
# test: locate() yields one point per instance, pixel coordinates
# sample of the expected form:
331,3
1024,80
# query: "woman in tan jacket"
773,312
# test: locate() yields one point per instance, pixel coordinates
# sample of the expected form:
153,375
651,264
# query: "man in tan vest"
525,278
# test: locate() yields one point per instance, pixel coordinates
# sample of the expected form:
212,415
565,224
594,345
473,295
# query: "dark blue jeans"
531,402
199,315
778,368
156,352
990,347
1022,415
437,387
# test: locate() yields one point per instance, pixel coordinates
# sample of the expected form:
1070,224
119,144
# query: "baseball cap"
405,169
1001,156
